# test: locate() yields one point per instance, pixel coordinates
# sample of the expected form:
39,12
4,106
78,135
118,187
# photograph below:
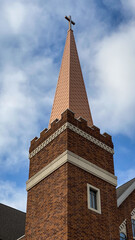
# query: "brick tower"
71,186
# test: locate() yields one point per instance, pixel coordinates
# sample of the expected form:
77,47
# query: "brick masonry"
47,208
124,212
69,140
82,222
57,206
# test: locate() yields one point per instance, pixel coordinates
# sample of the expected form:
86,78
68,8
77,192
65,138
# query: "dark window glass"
133,227
122,236
93,198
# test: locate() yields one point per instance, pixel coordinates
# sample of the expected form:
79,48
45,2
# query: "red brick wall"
84,223
73,142
90,151
48,154
57,206
46,216
68,116
124,212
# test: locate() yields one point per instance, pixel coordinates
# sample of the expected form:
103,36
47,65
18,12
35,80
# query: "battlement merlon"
68,117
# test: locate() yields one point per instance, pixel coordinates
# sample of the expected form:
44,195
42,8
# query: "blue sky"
32,38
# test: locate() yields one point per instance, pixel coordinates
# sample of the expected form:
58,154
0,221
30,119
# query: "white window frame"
98,199
133,217
131,223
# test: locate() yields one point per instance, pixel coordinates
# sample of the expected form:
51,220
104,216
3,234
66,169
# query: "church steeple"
71,171
70,92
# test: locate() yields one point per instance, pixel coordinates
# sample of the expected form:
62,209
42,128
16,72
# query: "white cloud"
27,72
115,72
22,101
28,67
15,15
125,176
16,110
109,63
32,37
13,196
129,5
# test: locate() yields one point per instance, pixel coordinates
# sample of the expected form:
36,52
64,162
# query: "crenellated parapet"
80,123
74,135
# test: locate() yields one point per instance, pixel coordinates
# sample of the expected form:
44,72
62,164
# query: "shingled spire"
70,92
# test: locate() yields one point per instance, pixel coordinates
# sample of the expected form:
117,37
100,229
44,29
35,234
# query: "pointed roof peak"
70,91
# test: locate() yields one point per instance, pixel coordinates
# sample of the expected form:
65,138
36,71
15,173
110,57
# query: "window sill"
95,210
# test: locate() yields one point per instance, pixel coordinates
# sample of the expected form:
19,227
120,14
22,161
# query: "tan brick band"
74,159
76,130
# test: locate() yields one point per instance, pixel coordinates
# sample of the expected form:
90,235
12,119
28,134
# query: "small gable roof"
124,191
12,223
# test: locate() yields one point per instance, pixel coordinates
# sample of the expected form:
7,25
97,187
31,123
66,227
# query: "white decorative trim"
90,138
74,159
48,140
20,237
76,130
122,227
133,214
122,198
98,200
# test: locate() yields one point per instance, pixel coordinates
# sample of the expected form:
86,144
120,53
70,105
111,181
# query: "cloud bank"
12,195
32,38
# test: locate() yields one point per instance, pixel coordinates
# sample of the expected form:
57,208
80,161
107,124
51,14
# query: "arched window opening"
133,227
122,236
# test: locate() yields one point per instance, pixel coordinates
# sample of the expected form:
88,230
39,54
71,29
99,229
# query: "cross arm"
69,20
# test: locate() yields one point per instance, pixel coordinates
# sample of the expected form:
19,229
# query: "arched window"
133,227
122,236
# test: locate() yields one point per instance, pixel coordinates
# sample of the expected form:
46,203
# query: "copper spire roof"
70,92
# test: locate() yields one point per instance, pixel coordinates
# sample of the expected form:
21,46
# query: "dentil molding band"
76,130
122,227
133,214
74,159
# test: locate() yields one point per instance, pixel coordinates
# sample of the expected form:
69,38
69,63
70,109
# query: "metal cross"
70,22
